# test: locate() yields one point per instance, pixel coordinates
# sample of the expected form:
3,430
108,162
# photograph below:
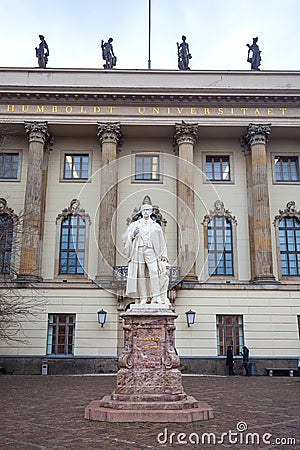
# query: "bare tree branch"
15,308
7,135
17,302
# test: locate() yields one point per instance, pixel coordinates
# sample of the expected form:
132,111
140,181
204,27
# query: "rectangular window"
286,168
61,334
217,168
230,331
76,167
9,166
147,168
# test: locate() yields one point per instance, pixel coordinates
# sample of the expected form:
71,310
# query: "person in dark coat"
245,355
230,360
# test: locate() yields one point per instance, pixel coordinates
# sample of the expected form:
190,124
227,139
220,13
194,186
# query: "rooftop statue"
108,54
184,55
255,58
42,52
146,251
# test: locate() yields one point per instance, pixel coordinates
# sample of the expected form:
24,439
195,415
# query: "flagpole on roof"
149,38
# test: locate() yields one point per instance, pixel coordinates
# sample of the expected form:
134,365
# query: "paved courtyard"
46,412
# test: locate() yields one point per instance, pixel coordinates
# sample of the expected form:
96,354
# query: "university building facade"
216,153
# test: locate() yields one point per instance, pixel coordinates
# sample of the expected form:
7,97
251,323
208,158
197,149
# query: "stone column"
39,141
185,137
109,135
255,143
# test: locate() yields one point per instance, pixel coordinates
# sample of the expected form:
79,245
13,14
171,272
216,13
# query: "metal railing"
120,274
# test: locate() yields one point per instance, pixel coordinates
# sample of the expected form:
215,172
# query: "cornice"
148,99
74,86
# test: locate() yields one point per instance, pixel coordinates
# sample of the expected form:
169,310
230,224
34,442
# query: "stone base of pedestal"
190,277
149,383
262,279
107,410
28,277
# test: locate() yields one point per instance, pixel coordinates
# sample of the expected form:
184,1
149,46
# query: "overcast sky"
217,32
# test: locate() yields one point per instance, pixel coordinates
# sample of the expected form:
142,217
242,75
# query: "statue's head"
183,38
110,40
146,211
41,37
74,204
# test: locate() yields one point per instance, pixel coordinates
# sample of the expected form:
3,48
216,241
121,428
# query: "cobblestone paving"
46,412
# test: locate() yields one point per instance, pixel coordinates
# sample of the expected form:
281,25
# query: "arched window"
288,233
72,224
220,250
6,237
219,236
7,222
72,244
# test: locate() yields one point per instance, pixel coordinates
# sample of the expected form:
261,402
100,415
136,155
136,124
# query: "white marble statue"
146,251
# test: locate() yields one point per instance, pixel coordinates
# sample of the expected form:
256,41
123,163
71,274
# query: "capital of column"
185,133
109,133
38,132
256,134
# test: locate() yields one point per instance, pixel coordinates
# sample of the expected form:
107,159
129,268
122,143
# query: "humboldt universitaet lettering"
152,111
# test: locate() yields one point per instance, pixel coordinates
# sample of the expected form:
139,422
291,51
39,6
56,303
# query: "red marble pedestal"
149,385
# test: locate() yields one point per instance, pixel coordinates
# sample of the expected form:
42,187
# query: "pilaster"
185,137
109,135
255,144
39,141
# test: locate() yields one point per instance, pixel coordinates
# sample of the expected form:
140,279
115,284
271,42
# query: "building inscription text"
152,111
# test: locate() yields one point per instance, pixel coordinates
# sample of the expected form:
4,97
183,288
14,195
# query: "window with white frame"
220,239
72,245
6,238
72,230
147,168
8,222
9,165
220,249
287,225
61,334
230,332
76,166
286,168
217,168
289,237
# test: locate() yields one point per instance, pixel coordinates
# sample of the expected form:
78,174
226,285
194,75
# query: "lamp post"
101,317
190,317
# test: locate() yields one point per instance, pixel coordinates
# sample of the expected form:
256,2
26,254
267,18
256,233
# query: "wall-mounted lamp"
190,317
101,317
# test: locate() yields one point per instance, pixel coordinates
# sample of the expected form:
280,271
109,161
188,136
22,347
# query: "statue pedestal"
149,385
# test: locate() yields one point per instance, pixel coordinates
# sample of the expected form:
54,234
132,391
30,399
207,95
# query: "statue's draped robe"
156,241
